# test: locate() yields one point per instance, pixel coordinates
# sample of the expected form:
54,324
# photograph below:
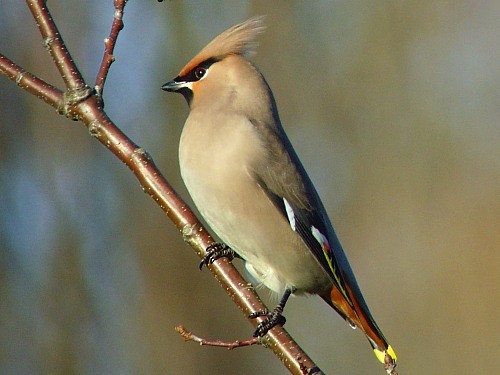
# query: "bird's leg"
215,251
274,317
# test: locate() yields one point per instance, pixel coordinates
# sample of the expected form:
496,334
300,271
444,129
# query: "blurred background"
394,109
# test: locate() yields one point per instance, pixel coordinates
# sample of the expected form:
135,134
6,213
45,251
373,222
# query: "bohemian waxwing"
251,188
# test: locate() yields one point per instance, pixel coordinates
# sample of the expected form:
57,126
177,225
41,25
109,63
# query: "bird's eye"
200,72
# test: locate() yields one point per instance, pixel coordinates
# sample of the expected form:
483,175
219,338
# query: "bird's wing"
286,183
281,175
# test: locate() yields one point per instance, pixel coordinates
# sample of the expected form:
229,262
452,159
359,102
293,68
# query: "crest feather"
237,40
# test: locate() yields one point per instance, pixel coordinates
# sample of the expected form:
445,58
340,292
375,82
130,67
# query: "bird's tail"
357,314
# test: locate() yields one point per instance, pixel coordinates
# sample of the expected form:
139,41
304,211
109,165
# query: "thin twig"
190,336
109,46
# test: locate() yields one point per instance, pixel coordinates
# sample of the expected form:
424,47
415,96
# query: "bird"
250,187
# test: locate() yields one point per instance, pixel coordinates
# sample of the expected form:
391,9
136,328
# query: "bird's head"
220,74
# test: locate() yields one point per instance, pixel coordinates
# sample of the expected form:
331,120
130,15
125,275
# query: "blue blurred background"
394,109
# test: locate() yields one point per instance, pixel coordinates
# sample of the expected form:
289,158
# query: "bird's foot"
215,251
274,317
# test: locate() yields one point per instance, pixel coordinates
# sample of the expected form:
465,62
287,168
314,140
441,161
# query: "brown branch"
109,46
27,81
83,104
53,41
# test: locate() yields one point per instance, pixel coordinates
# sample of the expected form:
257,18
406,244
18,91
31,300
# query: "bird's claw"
274,317
215,251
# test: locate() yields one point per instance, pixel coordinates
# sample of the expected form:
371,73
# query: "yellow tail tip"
381,354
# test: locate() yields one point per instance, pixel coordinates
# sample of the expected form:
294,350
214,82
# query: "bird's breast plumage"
217,154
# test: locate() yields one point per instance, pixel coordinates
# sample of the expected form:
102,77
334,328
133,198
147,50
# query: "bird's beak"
174,85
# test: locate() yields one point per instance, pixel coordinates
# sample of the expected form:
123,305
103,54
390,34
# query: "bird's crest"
237,40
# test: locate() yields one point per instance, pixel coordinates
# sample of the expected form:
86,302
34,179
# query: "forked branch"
80,102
